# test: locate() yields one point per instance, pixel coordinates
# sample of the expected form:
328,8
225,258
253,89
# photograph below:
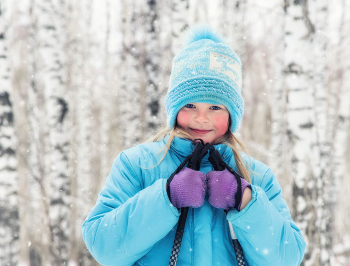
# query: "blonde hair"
228,139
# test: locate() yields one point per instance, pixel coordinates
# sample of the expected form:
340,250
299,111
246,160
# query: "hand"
222,189
187,189
225,186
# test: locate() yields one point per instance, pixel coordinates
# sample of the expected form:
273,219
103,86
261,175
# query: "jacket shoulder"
142,158
257,169
144,150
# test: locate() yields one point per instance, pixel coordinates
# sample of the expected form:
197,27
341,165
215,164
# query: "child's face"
204,121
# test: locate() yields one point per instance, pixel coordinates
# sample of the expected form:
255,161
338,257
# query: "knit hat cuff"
205,90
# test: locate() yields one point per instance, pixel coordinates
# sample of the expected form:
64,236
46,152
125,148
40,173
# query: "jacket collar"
183,147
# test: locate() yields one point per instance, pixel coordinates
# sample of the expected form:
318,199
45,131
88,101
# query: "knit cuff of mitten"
244,185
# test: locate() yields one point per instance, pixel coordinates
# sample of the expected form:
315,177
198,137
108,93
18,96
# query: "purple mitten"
187,189
222,188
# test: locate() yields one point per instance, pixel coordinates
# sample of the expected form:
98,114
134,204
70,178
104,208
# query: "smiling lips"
200,131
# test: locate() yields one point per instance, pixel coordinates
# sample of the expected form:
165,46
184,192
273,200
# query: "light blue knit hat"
205,71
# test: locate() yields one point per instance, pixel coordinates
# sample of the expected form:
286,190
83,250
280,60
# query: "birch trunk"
340,89
279,159
38,145
82,86
130,93
18,58
175,13
301,121
107,95
200,12
73,42
324,110
232,23
179,23
109,116
151,93
54,181
9,219
114,81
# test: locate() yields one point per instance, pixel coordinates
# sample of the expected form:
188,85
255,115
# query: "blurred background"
82,80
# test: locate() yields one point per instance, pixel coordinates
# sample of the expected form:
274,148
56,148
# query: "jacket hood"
183,147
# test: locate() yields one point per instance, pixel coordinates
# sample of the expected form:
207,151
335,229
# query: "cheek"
183,118
221,124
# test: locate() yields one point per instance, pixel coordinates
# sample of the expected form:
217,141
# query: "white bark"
279,159
73,40
83,87
114,82
106,100
258,72
301,121
9,219
324,108
200,12
129,100
233,25
38,144
51,34
179,24
339,85
152,90
109,104
49,145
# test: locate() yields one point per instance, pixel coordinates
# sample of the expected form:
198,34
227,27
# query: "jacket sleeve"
127,220
265,229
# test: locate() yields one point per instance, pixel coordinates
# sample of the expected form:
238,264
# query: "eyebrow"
210,105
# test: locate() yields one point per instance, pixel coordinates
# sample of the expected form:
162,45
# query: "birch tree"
129,95
107,96
150,94
114,81
280,159
200,12
82,86
73,42
9,219
49,75
175,13
37,139
324,109
232,23
179,23
301,121
53,28
340,95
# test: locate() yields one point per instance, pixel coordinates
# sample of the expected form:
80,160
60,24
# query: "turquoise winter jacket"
134,223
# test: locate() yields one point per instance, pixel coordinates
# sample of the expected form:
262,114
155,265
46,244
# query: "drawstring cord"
219,165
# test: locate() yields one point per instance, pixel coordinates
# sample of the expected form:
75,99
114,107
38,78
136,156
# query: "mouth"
199,131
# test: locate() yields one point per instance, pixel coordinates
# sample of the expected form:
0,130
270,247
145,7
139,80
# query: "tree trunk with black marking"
9,218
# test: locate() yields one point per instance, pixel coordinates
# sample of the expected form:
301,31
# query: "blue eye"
214,107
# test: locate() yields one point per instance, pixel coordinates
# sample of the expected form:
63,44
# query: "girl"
136,214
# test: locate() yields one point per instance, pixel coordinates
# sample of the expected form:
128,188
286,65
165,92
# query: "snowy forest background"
82,80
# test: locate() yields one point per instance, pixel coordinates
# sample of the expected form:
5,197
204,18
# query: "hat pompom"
202,32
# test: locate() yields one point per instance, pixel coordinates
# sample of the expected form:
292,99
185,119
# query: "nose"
201,117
